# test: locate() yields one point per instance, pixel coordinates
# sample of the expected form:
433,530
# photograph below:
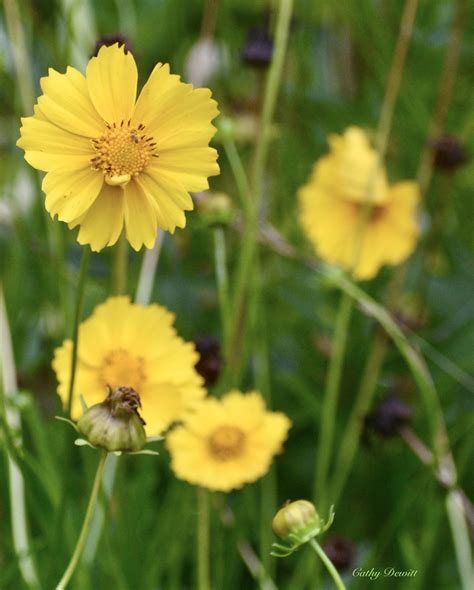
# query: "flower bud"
216,209
115,424
295,518
258,48
389,416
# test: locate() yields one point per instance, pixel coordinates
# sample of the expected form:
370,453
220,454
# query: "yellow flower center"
122,369
226,443
376,212
122,152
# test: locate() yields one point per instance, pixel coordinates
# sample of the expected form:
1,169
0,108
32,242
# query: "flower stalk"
85,525
203,539
77,320
328,564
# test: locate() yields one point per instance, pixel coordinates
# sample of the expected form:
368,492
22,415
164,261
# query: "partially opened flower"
227,443
134,346
114,161
350,213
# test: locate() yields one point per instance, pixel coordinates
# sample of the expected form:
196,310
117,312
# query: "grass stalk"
77,320
16,482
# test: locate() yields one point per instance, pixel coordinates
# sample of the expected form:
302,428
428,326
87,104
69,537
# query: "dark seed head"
449,153
210,362
341,551
109,40
258,48
389,416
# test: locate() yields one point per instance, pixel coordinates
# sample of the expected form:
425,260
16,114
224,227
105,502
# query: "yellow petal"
187,122
158,95
48,146
189,166
140,218
70,193
103,222
112,82
66,103
169,198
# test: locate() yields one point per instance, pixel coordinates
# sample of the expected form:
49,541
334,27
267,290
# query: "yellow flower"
343,185
112,160
128,345
227,443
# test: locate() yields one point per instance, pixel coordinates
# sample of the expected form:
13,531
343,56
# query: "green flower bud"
295,518
216,209
115,424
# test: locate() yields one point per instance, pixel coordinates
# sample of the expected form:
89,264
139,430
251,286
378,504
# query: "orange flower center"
226,443
375,214
122,369
122,152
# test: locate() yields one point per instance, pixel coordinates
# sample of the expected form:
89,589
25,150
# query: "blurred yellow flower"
350,213
227,443
128,345
112,160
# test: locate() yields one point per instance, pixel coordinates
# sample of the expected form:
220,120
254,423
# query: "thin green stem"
329,406
85,525
249,246
203,539
222,279
120,267
77,320
238,172
328,563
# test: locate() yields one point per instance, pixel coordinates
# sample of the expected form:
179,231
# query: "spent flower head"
114,161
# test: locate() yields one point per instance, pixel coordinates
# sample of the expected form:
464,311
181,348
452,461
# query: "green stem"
203,539
85,525
460,534
328,413
77,320
249,246
222,279
120,266
148,271
328,563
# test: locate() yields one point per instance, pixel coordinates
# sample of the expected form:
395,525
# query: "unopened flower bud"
295,518
216,209
115,424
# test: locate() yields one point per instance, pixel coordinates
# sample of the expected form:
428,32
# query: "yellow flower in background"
350,213
128,345
227,443
114,161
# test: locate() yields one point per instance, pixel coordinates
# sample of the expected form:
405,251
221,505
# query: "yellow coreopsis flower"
227,443
112,160
351,214
128,345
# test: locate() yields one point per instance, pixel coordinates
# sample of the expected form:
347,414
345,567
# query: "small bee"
134,136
